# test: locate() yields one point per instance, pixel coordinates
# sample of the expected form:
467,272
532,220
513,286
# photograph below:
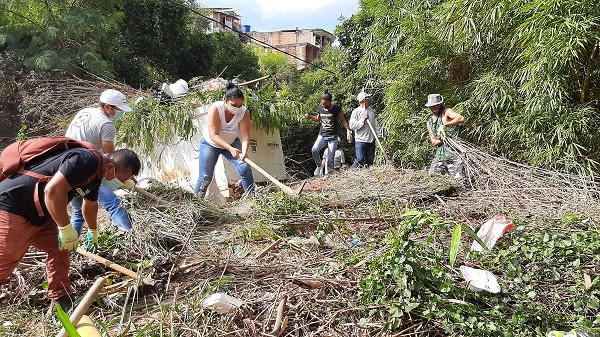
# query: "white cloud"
271,8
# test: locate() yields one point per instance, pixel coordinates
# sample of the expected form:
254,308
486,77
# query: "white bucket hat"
434,99
115,98
361,97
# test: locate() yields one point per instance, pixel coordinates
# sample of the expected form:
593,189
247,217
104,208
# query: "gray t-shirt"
362,131
92,125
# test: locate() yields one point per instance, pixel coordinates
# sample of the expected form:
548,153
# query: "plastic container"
221,303
479,279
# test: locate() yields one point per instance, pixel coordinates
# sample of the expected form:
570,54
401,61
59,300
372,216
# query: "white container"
221,303
479,279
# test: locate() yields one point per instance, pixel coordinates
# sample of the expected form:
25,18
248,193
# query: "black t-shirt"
77,165
329,120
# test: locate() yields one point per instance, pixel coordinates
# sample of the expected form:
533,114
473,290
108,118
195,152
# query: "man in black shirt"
43,221
329,115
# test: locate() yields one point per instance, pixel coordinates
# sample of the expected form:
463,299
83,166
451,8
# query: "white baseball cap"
361,97
116,98
434,99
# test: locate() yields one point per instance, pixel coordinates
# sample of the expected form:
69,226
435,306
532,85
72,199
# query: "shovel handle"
150,195
387,160
283,187
114,266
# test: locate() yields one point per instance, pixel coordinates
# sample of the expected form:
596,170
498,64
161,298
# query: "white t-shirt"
229,131
339,158
92,125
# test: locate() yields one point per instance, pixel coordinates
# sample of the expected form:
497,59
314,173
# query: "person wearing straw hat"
444,123
363,136
96,125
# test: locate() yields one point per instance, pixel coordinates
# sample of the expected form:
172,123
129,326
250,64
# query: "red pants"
17,234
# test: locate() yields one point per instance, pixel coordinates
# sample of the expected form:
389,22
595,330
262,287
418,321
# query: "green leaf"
475,237
454,244
66,322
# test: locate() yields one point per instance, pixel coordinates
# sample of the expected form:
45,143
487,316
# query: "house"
307,44
228,17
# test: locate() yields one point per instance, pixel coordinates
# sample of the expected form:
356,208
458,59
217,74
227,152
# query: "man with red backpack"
40,177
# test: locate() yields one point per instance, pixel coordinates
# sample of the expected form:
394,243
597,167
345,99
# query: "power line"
252,38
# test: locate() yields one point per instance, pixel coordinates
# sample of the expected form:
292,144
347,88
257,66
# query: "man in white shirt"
95,125
339,160
363,136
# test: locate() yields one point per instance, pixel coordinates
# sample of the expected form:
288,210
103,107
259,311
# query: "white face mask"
235,110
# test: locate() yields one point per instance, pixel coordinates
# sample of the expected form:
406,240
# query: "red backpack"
17,155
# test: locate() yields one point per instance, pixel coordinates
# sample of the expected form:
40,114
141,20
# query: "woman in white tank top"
228,122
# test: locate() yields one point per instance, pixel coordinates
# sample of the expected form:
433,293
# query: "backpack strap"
44,179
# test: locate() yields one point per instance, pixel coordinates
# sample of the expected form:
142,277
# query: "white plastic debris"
479,279
491,231
221,303
178,89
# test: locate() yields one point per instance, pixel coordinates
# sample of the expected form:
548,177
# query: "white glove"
67,238
349,136
129,185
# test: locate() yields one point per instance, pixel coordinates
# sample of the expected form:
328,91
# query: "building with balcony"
307,44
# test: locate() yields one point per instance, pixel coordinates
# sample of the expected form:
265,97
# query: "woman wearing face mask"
329,115
228,122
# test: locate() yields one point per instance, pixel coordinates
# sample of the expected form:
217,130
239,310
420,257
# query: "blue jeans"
208,159
364,152
331,142
108,200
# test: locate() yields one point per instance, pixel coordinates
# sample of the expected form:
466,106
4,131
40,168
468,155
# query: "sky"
270,15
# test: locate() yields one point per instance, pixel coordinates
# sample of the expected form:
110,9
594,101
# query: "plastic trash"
579,332
491,231
221,303
479,279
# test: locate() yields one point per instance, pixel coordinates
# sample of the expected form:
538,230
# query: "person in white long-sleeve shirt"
363,136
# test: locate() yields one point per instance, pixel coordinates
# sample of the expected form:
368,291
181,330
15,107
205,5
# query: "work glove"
349,136
92,241
129,185
67,238
442,131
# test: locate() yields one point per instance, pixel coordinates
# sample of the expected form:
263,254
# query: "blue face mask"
118,115
113,184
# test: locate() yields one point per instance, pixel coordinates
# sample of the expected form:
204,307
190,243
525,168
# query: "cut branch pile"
502,185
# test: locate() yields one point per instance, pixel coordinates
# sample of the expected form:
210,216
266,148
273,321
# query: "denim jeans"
364,152
108,200
331,142
208,160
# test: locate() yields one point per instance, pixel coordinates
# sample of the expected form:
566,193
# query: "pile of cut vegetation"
373,264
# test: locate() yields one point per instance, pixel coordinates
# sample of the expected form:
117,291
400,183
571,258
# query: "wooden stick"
277,331
266,250
387,160
85,304
283,187
150,195
114,266
254,81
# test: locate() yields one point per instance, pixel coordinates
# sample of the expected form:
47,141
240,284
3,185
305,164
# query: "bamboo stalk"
87,328
85,304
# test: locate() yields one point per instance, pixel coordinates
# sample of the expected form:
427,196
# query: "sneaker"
317,172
